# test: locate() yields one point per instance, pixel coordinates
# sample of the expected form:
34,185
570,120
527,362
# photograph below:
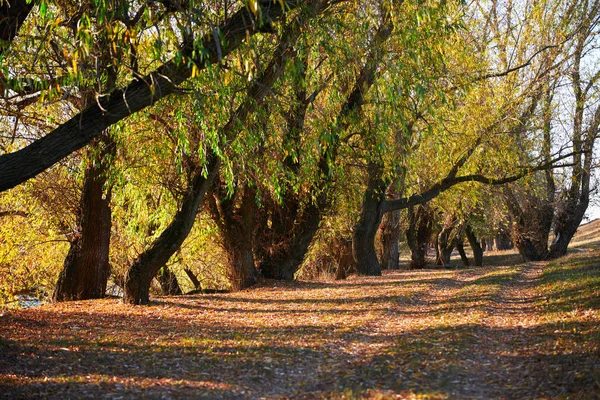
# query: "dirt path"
474,333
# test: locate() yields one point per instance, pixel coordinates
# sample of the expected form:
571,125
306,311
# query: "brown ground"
528,331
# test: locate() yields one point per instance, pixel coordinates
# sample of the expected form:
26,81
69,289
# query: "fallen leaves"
481,332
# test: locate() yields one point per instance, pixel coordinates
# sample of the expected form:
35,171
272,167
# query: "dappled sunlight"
471,332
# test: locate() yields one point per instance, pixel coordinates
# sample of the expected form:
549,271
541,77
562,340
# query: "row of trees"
253,135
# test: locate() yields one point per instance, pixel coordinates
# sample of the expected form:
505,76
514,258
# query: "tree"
142,92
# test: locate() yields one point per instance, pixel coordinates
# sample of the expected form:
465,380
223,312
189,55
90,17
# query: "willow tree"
193,50
583,75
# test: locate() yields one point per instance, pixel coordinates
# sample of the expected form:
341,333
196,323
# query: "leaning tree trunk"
147,265
461,250
475,246
86,268
168,282
566,222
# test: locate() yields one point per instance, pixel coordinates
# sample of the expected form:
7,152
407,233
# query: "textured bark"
475,246
168,282
86,268
23,164
147,265
532,219
344,259
284,260
12,15
566,222
234,216
390,237
418,234
363,239
446,242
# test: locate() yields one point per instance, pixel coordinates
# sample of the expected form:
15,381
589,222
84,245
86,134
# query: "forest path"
525,331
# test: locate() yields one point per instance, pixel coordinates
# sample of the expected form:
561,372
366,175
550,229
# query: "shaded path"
473,333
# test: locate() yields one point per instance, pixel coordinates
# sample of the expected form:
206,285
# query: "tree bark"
147,265
168,282
363,239
445,244
475,246
461,250
86,268
418,234
344,258
12,15
566,222
193,279
390,237
72,135
532,219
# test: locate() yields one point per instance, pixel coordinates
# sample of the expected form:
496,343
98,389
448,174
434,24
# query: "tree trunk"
390,237
12,15
531,222
147,265
461,250
363,239
446,243
168,282
193,278
86,268
566,222
475,246
418,234
74,134
235,217
344,258
502,241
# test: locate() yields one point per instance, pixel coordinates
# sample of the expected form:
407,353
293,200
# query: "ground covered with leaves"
525,331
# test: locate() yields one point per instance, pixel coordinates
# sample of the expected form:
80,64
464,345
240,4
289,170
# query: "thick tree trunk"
344,259
168,282
475,246
566,222
86,268
363,239
147,265
418,234
531,222
390,237
285,260
235,217
12,15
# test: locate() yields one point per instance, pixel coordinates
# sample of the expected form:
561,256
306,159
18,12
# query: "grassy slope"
521,331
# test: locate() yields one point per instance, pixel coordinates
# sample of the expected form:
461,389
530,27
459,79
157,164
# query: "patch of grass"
572,283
